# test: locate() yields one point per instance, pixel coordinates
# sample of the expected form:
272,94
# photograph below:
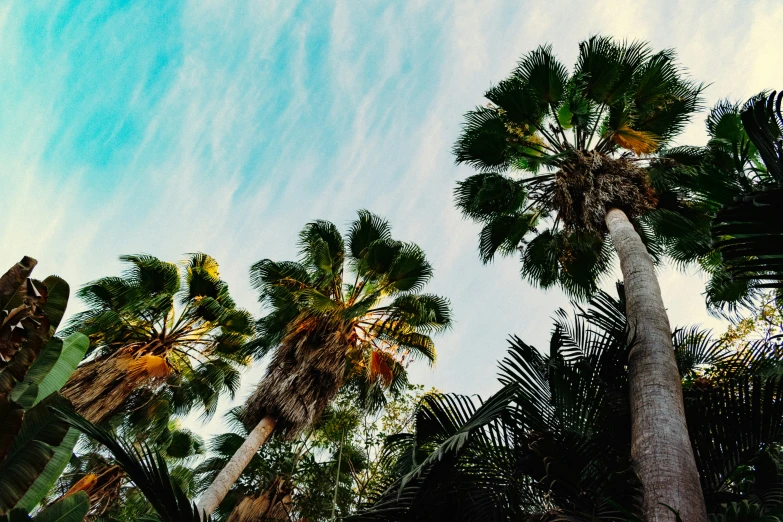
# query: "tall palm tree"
163,340
597,135
348,313
555,442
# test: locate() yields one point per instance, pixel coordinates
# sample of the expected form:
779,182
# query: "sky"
224,127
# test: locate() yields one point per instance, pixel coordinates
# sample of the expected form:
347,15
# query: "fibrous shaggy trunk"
660,445
100,388
217,491
274,504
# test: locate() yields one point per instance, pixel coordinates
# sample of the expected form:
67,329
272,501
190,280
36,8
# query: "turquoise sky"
223,127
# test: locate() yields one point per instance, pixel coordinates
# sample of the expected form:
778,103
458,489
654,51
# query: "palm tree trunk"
217,491
660,445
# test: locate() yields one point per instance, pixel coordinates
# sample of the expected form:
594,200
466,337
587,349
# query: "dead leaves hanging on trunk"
101,387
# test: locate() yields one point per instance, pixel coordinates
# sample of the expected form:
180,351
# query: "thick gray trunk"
217,491
660,446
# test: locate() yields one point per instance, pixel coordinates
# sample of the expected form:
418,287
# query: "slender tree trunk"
217,491
660,446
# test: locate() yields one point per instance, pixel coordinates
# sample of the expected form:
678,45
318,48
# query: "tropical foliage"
164,340
113,495
554,443
348,315
301,479
145,466
572,166
34,444
723,201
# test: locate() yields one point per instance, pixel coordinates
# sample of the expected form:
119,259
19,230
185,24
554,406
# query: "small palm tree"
588,147
163,340
349,313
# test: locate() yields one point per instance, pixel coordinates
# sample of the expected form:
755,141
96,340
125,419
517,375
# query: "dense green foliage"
724,200
305,469
554,443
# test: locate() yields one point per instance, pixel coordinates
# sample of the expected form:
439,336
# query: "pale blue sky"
223,127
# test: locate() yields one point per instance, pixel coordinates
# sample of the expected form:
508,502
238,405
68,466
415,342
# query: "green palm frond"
483,143
145,467
321,247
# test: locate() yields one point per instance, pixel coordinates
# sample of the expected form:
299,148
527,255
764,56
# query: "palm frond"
145,467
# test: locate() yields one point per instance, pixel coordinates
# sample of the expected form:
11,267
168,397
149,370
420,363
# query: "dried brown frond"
639,142
590,184
273,504
303,376
379,368
149,366
101,387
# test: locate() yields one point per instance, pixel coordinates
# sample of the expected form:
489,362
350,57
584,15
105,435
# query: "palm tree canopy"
164,337
586,140
350,312
723,199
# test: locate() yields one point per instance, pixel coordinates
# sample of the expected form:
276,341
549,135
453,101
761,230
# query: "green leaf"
483,142
56,300
365,230
410,270
72,508
47,479
24,394
30,452
545,76
44,362
73,350
16,515
153,275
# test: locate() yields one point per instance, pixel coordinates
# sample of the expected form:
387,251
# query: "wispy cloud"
225,126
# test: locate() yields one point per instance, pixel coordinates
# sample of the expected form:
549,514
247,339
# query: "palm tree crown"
163,340
348,313
593,132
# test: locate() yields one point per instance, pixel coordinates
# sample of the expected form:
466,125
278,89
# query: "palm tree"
555,442
349,313
721,200
163,340
597,134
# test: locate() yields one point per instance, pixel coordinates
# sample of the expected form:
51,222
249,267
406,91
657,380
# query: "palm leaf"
145,467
